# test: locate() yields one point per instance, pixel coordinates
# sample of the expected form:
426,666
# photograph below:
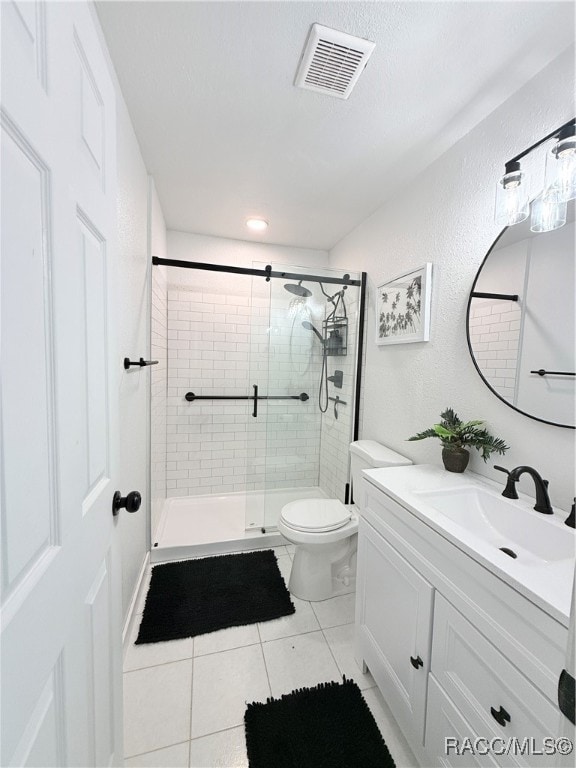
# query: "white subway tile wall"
223,344
158,351
222,338
495,337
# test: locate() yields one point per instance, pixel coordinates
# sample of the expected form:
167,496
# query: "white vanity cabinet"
395,620
456,651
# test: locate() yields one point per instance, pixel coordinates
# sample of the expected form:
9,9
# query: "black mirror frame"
470,297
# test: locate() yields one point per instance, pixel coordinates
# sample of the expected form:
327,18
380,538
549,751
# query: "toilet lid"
315,514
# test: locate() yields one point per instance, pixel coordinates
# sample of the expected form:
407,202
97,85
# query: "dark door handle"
416,662
131,502
255,411
501,716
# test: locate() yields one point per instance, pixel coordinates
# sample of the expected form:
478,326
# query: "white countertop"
548,585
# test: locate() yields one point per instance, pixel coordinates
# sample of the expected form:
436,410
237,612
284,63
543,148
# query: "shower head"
310,327
297,290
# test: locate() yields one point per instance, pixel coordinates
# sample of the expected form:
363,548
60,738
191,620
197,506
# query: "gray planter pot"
455,459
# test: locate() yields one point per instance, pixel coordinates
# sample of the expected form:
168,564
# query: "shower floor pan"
192,526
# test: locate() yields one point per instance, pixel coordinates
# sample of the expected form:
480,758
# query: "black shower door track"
267,272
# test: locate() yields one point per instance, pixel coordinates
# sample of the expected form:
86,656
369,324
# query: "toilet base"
321,571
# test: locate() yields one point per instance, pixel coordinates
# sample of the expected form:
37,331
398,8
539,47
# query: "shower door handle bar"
190,396
255,411
302,396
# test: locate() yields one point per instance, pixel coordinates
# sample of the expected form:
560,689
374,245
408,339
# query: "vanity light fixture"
258,225
549,208
548,213
512,196
560,176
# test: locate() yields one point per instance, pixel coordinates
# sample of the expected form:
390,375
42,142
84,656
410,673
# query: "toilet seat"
315,515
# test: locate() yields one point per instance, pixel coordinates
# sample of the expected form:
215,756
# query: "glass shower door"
293,425
311,381
257,352
303,353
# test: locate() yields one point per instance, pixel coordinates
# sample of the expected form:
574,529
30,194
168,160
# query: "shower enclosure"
253,401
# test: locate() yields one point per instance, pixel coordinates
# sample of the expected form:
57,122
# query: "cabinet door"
394,628
483,684
447,734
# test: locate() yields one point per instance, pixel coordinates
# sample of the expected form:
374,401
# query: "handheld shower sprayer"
309,327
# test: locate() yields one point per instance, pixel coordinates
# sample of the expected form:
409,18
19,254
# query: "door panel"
92,257
42,743
100,666
61,613
27,401
24,39
395,617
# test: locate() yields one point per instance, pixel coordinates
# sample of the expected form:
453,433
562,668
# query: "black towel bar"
500,296
140,363
542,372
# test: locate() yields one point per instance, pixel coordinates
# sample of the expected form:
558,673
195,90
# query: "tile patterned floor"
184,700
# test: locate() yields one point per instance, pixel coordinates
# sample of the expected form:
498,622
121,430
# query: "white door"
61,638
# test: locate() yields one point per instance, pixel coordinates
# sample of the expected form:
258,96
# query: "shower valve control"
131,502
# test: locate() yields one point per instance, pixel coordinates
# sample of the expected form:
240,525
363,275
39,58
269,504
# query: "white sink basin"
470,511
507,525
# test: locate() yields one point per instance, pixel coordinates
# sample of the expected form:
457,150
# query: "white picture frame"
403,307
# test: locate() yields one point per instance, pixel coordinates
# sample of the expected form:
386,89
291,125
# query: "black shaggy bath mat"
329,726
193,597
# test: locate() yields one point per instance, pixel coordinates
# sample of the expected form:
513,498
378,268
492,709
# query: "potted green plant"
456,436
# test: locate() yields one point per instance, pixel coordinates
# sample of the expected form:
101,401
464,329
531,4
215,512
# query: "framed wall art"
403,307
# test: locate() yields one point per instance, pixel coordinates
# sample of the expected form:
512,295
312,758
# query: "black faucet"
542,499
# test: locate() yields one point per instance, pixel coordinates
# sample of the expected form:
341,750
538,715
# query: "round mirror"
521,321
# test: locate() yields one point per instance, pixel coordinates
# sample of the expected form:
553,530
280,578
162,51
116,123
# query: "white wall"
159,352
132,271
446,217
211,442
136,233
221,250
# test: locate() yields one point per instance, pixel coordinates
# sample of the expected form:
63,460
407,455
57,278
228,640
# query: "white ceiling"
226,135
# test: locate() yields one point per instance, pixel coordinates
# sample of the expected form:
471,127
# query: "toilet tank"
368,454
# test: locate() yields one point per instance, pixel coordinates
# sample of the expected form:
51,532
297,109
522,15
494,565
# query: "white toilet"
325,530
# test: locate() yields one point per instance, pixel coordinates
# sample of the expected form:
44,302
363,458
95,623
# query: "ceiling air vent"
332,61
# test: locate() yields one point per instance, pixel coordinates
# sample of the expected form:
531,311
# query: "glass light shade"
512,199
560,175
548,213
